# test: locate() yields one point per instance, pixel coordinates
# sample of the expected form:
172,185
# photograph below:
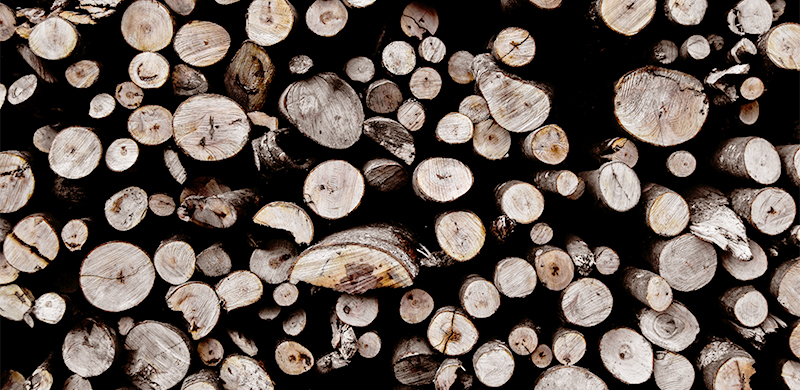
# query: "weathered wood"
385,175
116,276
8,22
187,81
356,310
514,47
685,13
399,58
553,266
75,152
626,355
712,219
782,285
696,47
42,376
459,67
122,153
15,302
90,348
300,64
161,205
269,22
43,137
672,371
77,382
432,49
33,243
326,17
460,234
648,288
101,106
582,256
333,189
751,88
239,289
451,331
750,17
515,278
606,260
790,159
414,362
24,90
207,202
147,25
360,69
749,158
287,216
210,351
129,95
201,43
626,17
204,379
724,364
781,44
441,179
210,127
239,372
419,19
415,306
478,296
181,7
475,108
425,83
547,144
199,304
686,262
392,136
36,63
158,355
273,262
251,71
493,363
745,304
666,213
663,52
383,96
126,209
788,373
770,210
149,70
293,358
245,343
681,163
491,141
519,200
674,329
586,302
174,165
615,186
569,377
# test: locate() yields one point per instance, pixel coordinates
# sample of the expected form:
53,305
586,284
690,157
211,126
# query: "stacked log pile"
296,194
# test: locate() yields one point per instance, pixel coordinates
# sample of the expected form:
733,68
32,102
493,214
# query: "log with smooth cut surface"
523,338
666,213
491,141
415,306
293,358
357,310
75,152
674,329
790,157
686,13
399,58
128,95
615,186
158,355
454,128
459,67
746,269
369,345
541,233
150,125
606,260
287,216
239,289
441,179
725,365
15,302
569,377
16,181
126,209
783,285
749,158
210,127
121,154
553,265
101,106
199,304
750,17
8,22
333,189
547,144
425,83
586,302
149,70
54,39
514,46
269,22
626,17
569,346
326,17
746,305
672,371
210,351
451,332
770,210
147,25
419,19
479,297
204,379
686,262
116,276
648,288
542,356
82,74
432,49
493,363
32,244
360,69
781,45
75,233
90,348
201,43
681,163
383,96
475,108
460,234
49,308
43,137
514,277
627,355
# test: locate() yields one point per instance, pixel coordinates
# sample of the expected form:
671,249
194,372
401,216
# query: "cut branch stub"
660,106
713,220
116,276
210,127
360,259
209,203
325,108
441,179
199,304
158,355
249,75
16,181
32,244
287,216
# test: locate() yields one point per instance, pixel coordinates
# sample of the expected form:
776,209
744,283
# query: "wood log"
147,26
741,51
724,364
770,210
239,289
615,186
23,91
580,253
425,83
441,179
199,305
451,332
414,362
214,261
432,49
359,259
642,115
37,64
181,7
696,47
523,338
674,329
399,58
790,159
75,233
502,228
384,175
42,376
586,302
562,182
43,137
750,17
369,345
15,302
749,158
13,380
199,118
749,269
475,108
333,189
161,205
82,74
745,304
788,372
158,355
383,96
293,358
616,149
516,105
478,296
149,70
116,276
782,285
419,19
606,260
8,24
33,243
174,165
208,203
450,372
666,213
493,363
287,216
259,118
245,343
187,81
239,372
128,94
360,69
201,43
203,379
541,233
681,163
126,208
270,22
16,180
626,355
648,288
520,201
101,106
300,64
663,52
515,278
459,67
251,70
553,266
686,262
785,244
491,141
542,356
76,382
210,351
547,144
392,136
415,306
686,13
514,47
49,308
779,44
751,88
272,157
357,310
712,219
626,18
90,348
8,273
326,17
122,153
54,38
672,371
75,152
344,339
460,234
411,114
124,325
558,377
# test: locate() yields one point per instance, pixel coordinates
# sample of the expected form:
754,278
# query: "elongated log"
790,159
357,310
514,47
586,302
724,364
147,25
270,22
158,355
187,81
419,19
460,234
626,18
491,141
451,331
493,363
250,71
210,351
16,181
414,362
15,302
627,355
689,13
287,216
209,203
32,244
582,256
174,165
116,276
515,278
239,372
392,136
519,200
749,158
541,233
615,186
201,43
360,69
782,284
780,45
199,304
648,288
49,308
666,213
672,371
713,220
674,329
90,348
36,63
293,358
326,17
553,266
559,377
459,67
478,296
770,210
686,262
42,376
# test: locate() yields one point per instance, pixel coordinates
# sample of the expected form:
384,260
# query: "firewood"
674,329
42,376
541,233
712,219
425,83
239,289
147,25
199,304
641,114
269,23
16,180
788,371
369,345
770,210
586,302
359,259
672,371
666,212
616,149
75,152
790,157
326,17
745,304
750,17
746,270
493,363
415,306
392,136
384,175
187,81
626,18
285,294
200,117
648,288
270,154
23,30
128,94
344,338
245,344
663,52
491,141
553,267
419,19
293,358
149,70
383,96
514,47
741,51
475,108
116,276
54,39
615,186
101,106
751,88
582,256
295,322
686,262
399,58
606,260
432,49
334,123
685,13
696,47
542,356
360,69
520,201
49,308
780,287
441,179
785,244
287,216
258,118
514,278
181,7
174,165
626,355
523,338
37,64
547,144
681,163
563,376
43,137
15,302
8,22
126,208
459,67
749,113
516,105
478,296
210,351
201,43
357,310
208,203
75,233
502,228
203,379
214,261
33,243
77,382
414,362
724,364
454,128
451,331
239,372
450,372
333,189
158,355
460,234
250,72
300,64
13,380
124,325
24,90
90,348
779,44
122,153
161,205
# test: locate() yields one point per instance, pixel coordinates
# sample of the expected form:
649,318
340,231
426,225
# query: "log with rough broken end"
243,342
724,364
674,329
199,304
648,288
239,289
208,203
15,302
663,52
451,373
478,296
42,377
616,149
287,216
582,256
250,72
187,81
277,151
569,346
16,180
502,228
712,219
419,19
173,163
451,331
414,362
514,277
239,372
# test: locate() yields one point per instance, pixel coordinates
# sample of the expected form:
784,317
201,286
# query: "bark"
478,296
199,305
616,149
459,67
515,278
187,81
384,175
626,18
399,58
90,348
42,376
460,234
770,210
277,151
780,45
250,73
245,343
553,266
493,363
287,216
782,285
724,364
16,180
383,96
441,179
204,379
614,185
147,26
208,203
582,256
451,331
360,69
711,219
33,243
663,52
586,302
174,165
674,329
300,64
392,136
201,43
116,276
269,22
158,355
326,17
36,63
648,288
502,228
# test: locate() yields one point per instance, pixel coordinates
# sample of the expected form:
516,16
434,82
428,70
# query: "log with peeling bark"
393,136
451,331
42,376
582,256
207,202
712,219
748,158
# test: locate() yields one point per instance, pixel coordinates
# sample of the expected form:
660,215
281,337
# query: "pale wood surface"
783,285
15,302
326,17
43,138
569,378
210,351
419,19
147,25
615,186
274,261
515,277
432,49
357,310
54,39
514,47
541,233
201,43
239,372
586,302
459,67
392,136
523,338
16,181
369,345
627,355
210,127
479,297
129,95
105,264
493,363
666,213
425,83
686,262
712,219
548,144
333,189
287,216
101,106
126,209
782,45
674,329
159,355
90,348
75,233
672,371
770,210
121,154
441,179
33,243
681,163
49,308
199,305
491,141
149,70
360,69
460,234
385,175
383,96
626,17
553,266
415,306
451,331
399,58
239,289
75,152
269,22
746,269
750,17
293,358
648,288
542,356
686,13
725,365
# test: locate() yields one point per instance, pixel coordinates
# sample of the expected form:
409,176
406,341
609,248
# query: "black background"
577,56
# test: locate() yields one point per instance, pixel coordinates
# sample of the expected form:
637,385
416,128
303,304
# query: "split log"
293,358
478,296
547,144
724,364
782,284
451,332
128,94
122,153
204,379
752,158
491,141
43,137
116,276
300,64
666,213
432,49
126,208
161,205
493,363
746,305
245,344
210,351
360,259
460,234
208,203
75,233
90,348
248,76
541,233
672,371
582,256
392,136
521,201
32,244
626,355
414,362
425,83
149,70
712,219
745,270
514,47
201,43
419,19
616,149
586,302
75,152
199,118
287,216
647,288
385,175
269,22
158,355
459,67
770,210
780,45
686,262
615,186
335,122
147,26
82,74
514,278
681,163
326,17
49,308
516,105
16,181
553,266
399,58
239,372
37,64
475,108
542,356
689,13
560,377
411,114
187,81
101,106
606,260
357,310
360,69
15,302
664,52
54,39
523,338
415,306
750,17
76,382
696,47
199,304
333,189
441,179
174,165
369,345
239,289
674,329
643,115
383,96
